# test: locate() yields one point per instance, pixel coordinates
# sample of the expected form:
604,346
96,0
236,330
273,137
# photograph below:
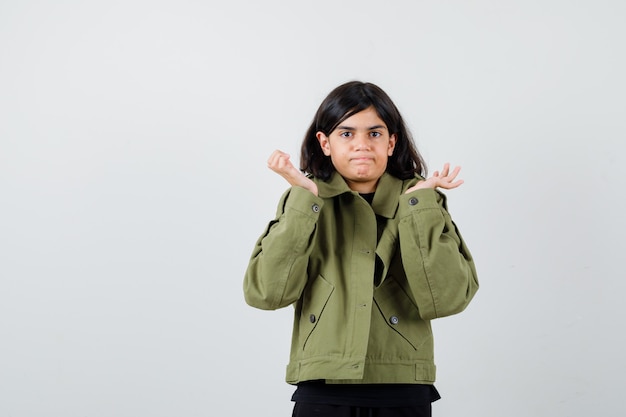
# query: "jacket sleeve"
277,271
438,265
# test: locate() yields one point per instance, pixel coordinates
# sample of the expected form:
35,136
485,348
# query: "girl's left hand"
445,179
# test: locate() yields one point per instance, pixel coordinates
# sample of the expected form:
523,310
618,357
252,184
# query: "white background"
133,183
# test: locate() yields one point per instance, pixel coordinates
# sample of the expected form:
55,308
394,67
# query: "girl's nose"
362,143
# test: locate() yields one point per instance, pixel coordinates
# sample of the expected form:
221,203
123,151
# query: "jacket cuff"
304,201
423,199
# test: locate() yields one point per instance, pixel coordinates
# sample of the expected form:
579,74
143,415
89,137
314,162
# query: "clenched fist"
280,163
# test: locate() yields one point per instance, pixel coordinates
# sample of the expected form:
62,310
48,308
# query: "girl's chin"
361,174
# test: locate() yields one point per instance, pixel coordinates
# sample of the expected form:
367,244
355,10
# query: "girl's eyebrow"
369,128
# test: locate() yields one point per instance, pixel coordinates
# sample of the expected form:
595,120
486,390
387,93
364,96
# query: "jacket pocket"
400,313
314,301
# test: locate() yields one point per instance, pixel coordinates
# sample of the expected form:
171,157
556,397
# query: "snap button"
312,318
393,320
412,201
315,208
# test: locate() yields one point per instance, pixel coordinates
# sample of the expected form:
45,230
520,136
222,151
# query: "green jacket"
365,280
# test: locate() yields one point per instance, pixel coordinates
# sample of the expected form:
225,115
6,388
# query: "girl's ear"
392,144
324,143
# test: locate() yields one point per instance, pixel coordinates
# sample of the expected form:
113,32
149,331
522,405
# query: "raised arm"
437,262
277,271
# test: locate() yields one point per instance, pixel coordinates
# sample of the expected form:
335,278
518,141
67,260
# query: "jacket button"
393,320
412,201
315,208
312,318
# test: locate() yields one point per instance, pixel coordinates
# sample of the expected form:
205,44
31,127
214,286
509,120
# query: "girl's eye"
375,134
345,134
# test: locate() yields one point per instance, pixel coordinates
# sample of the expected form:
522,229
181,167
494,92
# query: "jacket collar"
386,197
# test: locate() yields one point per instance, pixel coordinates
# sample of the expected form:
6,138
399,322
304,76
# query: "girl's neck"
362,187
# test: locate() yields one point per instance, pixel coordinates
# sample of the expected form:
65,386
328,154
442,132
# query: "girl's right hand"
279,163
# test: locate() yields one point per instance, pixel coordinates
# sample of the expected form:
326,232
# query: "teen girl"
364,248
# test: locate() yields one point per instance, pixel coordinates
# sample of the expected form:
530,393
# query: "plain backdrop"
133,184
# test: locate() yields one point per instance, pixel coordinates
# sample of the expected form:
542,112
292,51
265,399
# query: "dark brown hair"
345,101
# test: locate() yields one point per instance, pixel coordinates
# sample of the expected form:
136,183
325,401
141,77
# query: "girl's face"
359,148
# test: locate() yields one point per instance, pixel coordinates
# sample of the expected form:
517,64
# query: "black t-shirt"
365,395
369,197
